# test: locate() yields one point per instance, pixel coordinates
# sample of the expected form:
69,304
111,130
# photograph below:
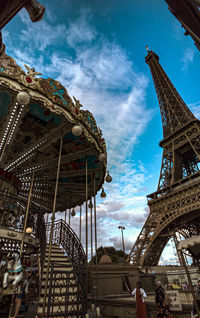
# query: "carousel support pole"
47,219
80,223
26,214
38,255
52,228
69,216
12,305
91,224
95,222
86,208
86,230
91,241
190,282
198,265
65,215
95,236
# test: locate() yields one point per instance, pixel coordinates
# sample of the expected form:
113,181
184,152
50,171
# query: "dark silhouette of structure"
188,13
9,8
175,206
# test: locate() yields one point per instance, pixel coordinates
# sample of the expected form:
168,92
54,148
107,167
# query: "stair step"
58,285
60,302
57,256
72,314
59,280
55,253
54,248
58,269
59,260
58,263
58,292
59,274
59,308
63,270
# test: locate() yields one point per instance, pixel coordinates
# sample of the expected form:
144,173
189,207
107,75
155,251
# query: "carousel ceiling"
30,137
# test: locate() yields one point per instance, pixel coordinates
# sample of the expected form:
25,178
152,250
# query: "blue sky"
96,49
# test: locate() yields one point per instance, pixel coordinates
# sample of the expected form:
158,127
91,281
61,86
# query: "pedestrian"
162,302
194,313
141,309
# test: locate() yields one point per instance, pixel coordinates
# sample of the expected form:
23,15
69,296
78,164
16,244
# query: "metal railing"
67,285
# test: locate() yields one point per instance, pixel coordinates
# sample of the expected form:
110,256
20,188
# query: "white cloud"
109,206
79,32
117,243
187,58
195,108
42,34
102,77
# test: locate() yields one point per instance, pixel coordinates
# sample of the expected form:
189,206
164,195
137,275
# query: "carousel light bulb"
102,157
29,230
98,311
23,98
90,205
103,194
77,130
73,213
108,178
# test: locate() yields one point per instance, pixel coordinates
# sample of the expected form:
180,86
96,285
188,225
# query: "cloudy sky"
96,49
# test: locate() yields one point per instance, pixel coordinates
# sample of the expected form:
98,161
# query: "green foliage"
117,256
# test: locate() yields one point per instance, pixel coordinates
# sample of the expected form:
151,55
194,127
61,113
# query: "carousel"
52,159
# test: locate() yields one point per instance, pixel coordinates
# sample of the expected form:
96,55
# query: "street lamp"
122,228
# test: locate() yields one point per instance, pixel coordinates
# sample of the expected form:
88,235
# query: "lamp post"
122,228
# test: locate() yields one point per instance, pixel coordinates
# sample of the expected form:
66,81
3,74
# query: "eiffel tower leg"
170,211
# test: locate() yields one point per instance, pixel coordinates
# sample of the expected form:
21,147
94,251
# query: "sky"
96,49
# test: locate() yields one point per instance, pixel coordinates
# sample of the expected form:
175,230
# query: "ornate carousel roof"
30,137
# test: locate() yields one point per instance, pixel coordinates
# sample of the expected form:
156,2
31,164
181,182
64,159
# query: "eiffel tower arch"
175,206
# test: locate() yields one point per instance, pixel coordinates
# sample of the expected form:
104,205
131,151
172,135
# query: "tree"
117,256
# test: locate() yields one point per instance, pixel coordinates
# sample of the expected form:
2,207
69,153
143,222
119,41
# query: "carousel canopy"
35,113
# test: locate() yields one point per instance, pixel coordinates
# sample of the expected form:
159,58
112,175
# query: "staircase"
66,293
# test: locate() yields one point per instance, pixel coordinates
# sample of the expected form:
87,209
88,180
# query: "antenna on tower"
147,48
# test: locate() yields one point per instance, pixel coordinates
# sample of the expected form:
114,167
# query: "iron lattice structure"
174,207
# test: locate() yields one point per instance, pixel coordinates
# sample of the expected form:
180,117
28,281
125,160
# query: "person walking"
194,313
139,293
161,302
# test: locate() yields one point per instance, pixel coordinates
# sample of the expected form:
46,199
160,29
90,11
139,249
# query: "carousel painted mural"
52,159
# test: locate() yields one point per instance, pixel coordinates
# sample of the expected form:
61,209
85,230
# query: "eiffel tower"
175,206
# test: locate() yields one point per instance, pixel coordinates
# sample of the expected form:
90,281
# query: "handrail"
65,236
